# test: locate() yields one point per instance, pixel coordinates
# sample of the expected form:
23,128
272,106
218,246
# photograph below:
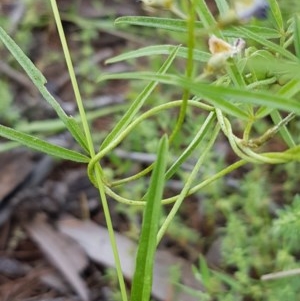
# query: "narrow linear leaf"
39,81
226,98
162,23
235,74
264,32
41,145
246,33
205,128
160,50
35,75
205,14
6,146
276,12
222,6
205,272
217,100
289,90
142,279
139,101
297,35
78,133
181,26
241,95
284,132
56,125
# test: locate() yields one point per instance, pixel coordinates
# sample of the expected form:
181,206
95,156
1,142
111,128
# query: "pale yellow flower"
221,51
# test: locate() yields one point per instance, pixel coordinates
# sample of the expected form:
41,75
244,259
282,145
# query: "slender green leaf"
6,146
39,81
235,74
162,23
159,50
205,272
241,95
205,128
142,279
78,133
284,132
225,98
139,101
264,32
276,13
297,35
181,26
289,90
41,145
35,75
204,14
246,33
229,281
222,6
56,125
217,100
263,63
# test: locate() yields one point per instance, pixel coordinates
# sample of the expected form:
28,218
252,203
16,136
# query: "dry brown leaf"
95,240
12,175
64,254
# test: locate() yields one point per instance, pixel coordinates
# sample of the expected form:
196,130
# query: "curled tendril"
244,150
240,147
132,126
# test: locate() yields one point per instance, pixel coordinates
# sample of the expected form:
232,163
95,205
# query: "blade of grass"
142,279
41,145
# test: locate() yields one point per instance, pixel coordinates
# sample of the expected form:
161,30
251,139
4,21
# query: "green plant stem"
97,168
270,133
194,143
264,82
173,199
133,177
132,126
187,186
73,78
111,232
189,71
